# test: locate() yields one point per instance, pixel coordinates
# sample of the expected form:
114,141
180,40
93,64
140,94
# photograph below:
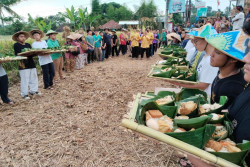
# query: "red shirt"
122,39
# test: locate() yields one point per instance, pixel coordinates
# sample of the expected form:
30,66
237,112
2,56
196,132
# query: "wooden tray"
12,59
55,51
150,75
33,52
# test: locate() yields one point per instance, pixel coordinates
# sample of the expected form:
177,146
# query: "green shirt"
164,36
98,40
53,44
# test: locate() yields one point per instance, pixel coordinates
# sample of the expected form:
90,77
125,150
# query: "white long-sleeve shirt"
238,21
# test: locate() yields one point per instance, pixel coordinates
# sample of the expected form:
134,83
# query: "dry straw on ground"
78,123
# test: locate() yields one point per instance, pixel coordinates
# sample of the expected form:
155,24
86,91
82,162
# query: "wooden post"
166,15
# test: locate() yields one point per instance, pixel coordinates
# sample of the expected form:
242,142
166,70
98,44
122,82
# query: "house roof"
110,25
129,22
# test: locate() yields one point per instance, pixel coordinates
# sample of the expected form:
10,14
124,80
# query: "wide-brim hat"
77,36
203,31
113,30
71,37
51,32
177,36
15,36
37,31
169,37
233,43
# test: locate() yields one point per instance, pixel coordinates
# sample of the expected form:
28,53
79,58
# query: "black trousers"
90,55
108,50
155,47
114,51
123,49
135,52
147,50
48,74
4,88
139,51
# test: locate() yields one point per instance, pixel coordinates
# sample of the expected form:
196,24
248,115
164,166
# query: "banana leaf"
186,93
197,138
193,77
223,101
170,111
167,52
229,129
237,157
192,123
166,74
195,99
219,121
160,95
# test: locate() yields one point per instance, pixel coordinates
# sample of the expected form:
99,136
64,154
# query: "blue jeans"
103,54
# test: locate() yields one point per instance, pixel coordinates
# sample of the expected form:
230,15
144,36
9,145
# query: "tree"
177,18
40,23
96,8
146,10
72,15
5,5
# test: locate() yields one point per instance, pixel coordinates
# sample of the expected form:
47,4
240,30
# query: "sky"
45,8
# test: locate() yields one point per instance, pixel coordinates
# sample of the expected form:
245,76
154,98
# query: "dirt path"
77,123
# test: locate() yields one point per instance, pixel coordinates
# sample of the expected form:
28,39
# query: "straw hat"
169,37
15,36
203,31
37,31
73,37
177,36
233,43
51,32
77,36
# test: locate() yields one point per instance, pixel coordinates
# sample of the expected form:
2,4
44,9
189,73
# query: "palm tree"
5,5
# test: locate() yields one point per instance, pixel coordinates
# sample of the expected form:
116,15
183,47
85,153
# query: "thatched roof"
110,25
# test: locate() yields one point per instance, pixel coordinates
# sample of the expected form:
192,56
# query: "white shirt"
2,71
43,60
238,21
207,73
190,48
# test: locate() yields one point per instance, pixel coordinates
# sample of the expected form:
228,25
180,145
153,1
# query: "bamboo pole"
134,108
176,143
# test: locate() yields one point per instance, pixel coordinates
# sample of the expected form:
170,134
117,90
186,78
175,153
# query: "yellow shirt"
135,38
145,41
151,37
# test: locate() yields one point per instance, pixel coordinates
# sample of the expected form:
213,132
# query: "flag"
218,2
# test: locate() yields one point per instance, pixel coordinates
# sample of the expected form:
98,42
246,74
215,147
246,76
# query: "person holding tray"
45,61
228,56
27,68
72,53
206,73
56,57
4,86
239,111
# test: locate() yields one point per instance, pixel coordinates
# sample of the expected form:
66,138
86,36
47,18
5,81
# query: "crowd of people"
82,50
222,61
217,54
